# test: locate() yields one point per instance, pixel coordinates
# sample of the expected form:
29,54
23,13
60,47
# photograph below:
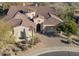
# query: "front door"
38,28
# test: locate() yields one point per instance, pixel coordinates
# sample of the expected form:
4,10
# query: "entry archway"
38,27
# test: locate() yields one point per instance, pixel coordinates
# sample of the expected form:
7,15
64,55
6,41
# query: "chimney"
24,3
36,4
1,4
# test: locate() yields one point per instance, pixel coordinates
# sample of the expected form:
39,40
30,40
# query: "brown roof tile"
52,21
42,10
25,21
14,9
14,22
22,20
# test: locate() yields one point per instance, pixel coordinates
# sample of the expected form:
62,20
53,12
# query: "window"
32,14
22,34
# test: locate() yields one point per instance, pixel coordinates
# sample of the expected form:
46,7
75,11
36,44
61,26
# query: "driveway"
49,44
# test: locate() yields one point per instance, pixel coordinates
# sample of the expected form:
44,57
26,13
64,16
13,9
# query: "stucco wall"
30,15
17,34
20,16
38,20
48,28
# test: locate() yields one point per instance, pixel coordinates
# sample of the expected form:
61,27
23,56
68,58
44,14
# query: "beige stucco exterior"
17,33
20,16
30,14
38,21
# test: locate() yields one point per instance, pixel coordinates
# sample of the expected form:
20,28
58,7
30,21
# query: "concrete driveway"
49,44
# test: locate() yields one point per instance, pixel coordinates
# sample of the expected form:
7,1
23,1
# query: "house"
25,19
22,27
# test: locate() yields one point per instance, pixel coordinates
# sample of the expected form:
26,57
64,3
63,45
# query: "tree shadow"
75,41
65,41
51,34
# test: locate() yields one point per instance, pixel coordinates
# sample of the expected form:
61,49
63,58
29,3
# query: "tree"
69,27
67,12
5,34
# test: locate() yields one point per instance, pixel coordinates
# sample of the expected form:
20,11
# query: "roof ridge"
56,17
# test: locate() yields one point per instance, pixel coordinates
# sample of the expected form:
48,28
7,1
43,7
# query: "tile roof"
52,21
26,22
42,10
21,20
14,9
14,22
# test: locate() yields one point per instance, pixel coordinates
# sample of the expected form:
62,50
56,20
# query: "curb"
54,49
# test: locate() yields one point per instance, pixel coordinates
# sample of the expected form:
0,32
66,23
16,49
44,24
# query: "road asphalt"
61,53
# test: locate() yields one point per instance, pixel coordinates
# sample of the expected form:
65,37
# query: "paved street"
61,53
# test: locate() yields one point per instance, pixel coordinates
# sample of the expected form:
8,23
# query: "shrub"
5,34
69,27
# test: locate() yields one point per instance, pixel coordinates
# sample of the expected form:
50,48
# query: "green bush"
69,27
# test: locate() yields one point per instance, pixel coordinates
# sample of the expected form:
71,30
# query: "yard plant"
5,34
